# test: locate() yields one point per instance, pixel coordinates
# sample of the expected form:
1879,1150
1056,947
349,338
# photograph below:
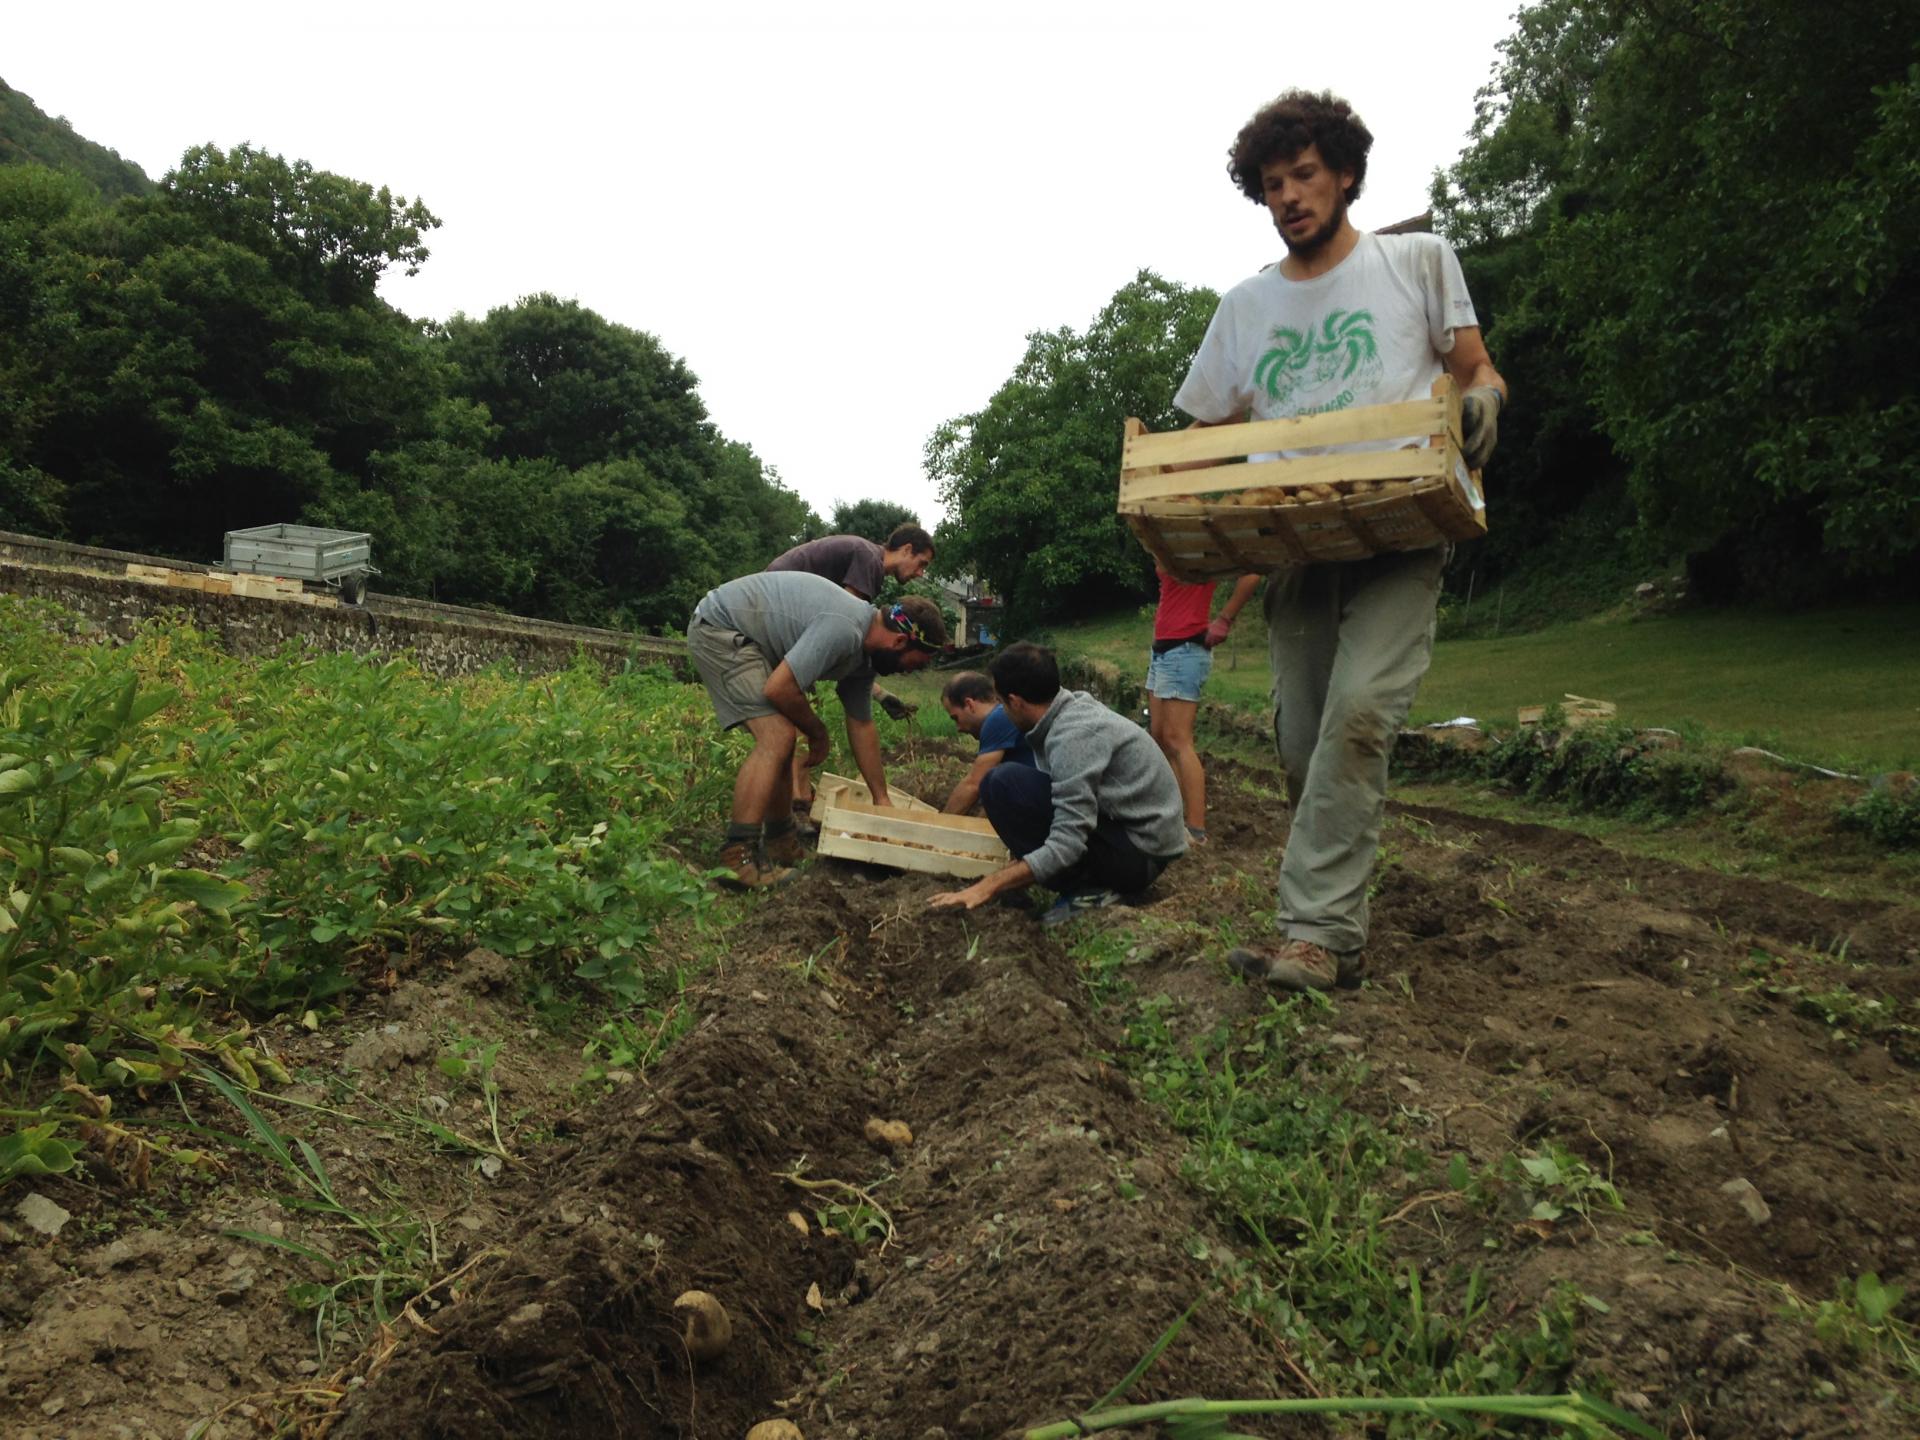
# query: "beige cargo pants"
1350,644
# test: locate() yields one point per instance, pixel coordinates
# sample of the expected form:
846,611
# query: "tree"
1030,479
874,519
1735,276
565,384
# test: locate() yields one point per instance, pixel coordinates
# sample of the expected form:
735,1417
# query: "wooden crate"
831,789
922,840
1227,518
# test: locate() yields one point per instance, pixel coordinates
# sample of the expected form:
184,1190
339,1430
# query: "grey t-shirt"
809,622
847,560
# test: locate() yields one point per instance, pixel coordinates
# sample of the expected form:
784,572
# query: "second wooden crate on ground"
923,840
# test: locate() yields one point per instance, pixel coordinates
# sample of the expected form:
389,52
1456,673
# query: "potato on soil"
709,1329
775,1430
799,1222
888,1134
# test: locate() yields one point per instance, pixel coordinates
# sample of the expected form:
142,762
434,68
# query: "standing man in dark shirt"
856,563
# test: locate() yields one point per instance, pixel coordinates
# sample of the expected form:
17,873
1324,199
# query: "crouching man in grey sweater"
1100,817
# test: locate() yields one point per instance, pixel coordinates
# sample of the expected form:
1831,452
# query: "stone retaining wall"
443,639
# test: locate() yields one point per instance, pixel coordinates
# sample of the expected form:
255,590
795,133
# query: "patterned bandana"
898,618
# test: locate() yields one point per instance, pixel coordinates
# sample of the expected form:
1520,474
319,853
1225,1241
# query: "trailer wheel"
353,588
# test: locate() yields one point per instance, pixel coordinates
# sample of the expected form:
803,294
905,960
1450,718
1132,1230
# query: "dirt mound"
1037,1232
1736,1057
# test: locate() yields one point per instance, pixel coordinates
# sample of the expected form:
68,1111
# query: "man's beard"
1306,249
884,662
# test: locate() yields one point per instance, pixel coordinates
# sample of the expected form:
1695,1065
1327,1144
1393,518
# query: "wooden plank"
1227,548
1145,532
829,788
971,824
1407,418
905,857
904,832
1420,463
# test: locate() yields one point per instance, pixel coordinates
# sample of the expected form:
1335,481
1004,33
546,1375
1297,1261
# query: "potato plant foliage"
189,841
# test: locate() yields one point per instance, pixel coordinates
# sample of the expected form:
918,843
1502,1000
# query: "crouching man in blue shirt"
1098,819
976,711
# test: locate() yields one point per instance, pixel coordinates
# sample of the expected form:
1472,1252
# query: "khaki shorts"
733,668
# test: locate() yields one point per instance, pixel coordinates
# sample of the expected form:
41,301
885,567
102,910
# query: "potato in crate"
1257,503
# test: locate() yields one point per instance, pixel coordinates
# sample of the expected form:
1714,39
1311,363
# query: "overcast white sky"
846,216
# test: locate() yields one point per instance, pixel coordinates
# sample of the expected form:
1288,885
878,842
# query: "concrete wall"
444,639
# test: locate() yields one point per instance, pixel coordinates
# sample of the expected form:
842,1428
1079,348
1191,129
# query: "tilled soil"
1024,1251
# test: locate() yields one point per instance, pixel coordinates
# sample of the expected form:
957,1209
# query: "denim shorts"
1179,674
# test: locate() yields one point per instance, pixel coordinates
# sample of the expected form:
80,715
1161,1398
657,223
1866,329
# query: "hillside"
29,133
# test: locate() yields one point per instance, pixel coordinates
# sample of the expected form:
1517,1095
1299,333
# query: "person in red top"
1183,641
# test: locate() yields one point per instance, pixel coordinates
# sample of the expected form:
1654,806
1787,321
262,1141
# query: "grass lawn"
1839,687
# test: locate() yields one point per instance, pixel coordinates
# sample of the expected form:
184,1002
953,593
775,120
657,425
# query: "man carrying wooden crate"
1344,319
1100,817
760,642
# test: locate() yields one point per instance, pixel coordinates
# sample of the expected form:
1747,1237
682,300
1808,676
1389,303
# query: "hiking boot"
747,871
1298,965
1068,906
786,849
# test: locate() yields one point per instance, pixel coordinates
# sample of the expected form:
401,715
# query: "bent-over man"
861,566
760,643
1098,820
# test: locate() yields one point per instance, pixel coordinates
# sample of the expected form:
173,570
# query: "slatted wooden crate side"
933,844
1225,519
830,789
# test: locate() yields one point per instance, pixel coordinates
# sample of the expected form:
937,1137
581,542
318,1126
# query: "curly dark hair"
1288,125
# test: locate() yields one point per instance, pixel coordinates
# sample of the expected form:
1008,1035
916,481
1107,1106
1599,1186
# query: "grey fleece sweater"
1104,767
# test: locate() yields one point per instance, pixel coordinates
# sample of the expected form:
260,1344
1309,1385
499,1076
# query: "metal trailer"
341,558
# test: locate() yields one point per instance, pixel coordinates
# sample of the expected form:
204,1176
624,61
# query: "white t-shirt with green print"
1371,331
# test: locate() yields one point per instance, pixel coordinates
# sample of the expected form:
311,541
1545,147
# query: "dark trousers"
1018,800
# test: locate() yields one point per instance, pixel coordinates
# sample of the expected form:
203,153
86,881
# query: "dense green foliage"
187,838
216,354
1697,228
874,519
1029,479
29,134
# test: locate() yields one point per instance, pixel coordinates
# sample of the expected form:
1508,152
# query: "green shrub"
1887,814
182,832
1608,769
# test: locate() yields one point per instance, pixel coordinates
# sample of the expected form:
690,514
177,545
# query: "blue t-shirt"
1000,733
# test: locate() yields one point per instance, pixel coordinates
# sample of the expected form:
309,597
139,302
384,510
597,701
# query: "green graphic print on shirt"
1341,351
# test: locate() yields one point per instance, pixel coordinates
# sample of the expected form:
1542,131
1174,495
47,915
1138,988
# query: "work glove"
1479,424
1217,631
896,707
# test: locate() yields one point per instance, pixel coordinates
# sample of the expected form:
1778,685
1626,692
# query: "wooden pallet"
831,789
927,841
252,587
1228,518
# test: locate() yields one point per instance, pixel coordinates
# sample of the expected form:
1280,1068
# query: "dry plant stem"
324,1397
1574,1411
841,1187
